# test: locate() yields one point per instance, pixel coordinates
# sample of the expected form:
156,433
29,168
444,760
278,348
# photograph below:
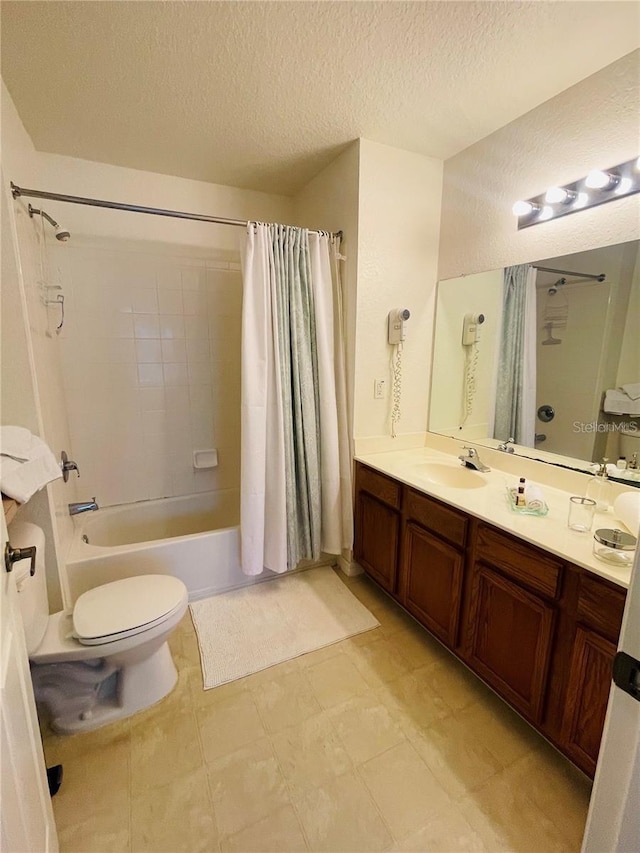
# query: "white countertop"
490,504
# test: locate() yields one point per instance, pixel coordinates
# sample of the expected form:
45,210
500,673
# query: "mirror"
584,343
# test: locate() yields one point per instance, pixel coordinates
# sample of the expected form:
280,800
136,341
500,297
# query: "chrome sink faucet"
472,460
83,506
506,446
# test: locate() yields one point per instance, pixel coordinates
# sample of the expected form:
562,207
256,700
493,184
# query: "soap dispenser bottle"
599,488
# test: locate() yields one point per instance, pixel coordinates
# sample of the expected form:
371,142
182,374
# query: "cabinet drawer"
383,488
524,563
600,606
444,522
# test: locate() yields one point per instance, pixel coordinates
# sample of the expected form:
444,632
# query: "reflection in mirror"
555,364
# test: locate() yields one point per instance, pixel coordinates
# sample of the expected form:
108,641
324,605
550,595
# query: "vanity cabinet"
537,629
377,526
432,567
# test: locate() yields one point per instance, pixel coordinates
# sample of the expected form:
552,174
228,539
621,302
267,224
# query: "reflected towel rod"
17,192
600,277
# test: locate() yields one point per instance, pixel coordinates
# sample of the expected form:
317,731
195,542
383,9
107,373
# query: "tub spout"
83,506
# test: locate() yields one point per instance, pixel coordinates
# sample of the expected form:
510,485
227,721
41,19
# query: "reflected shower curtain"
295,496
516,381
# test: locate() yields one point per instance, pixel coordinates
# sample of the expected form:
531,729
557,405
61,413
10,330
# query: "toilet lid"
121,608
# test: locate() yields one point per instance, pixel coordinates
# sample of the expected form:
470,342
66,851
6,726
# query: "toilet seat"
126,607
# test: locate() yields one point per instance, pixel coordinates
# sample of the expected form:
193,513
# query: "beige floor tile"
404,789
310,753
200,697
286,701
392,618
320,655
279,832
339,816
271,673
555,787
505,734
378,662
412,704
335,680
227,725
454,683
365,727
164,748
456,756
446,831
418,648
246,786
103,830
175,817
505,819
365,638
95,775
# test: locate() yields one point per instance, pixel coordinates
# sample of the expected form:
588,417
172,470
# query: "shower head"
554,287
61,234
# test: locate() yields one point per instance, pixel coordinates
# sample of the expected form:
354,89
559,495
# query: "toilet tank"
32,591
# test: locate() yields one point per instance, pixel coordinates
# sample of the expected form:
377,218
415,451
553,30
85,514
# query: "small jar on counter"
614,547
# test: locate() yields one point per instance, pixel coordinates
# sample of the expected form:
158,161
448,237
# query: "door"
377,533
613,823
433,572
25,812
512,631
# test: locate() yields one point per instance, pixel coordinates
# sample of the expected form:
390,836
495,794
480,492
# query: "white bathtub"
195,538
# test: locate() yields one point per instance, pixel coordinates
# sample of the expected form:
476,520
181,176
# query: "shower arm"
33,211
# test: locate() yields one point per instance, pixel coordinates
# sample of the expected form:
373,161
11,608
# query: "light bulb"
524,208
545,213
598,180
623,187
554,195
581,201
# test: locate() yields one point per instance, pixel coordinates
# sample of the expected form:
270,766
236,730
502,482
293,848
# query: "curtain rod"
600,277
17,192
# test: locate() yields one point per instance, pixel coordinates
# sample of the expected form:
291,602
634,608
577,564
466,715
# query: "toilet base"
117,691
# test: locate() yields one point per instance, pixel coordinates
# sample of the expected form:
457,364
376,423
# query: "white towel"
21,480
618,403
632,389
534,498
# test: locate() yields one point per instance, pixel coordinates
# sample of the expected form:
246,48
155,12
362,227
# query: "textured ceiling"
263,95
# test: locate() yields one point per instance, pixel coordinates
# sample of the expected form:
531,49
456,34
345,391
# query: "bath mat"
250,629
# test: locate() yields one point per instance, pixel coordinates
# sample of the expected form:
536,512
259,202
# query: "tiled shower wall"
151,368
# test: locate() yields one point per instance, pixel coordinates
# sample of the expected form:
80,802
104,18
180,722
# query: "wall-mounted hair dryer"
471,329
396,321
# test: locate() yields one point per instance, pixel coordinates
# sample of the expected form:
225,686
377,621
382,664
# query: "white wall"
30,366
629,365
475,294
594,124
398,231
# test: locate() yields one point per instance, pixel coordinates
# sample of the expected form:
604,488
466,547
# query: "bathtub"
194,537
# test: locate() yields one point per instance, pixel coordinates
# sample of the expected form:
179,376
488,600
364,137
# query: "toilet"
106,658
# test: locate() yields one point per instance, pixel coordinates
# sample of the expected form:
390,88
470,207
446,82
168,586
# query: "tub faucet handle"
68,465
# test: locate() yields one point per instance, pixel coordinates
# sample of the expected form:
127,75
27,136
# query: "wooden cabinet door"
587,697
511,633
433,575
376,542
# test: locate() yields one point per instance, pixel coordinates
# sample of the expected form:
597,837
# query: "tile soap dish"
540,511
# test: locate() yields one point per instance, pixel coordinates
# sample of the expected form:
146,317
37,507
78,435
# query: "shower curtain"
515,409
295,496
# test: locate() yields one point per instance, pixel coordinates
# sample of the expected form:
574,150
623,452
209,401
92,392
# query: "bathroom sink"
453,476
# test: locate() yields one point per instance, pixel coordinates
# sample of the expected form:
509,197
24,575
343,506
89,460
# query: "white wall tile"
142,377
148,351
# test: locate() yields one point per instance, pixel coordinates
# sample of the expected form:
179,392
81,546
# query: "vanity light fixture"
598,187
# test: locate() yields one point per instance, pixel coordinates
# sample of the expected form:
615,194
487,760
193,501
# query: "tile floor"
380,742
